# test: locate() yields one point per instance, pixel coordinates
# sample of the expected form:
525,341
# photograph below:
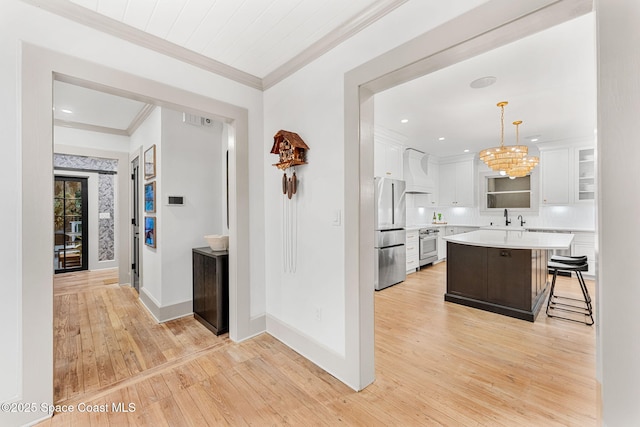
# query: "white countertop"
513,239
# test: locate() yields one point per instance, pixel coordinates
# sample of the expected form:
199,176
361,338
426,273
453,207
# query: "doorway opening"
135,224
133,313
37,195
482,29
70,215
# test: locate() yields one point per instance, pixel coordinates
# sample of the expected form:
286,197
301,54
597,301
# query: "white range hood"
416,172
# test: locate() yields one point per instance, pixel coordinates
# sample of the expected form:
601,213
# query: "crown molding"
92,128
140,118
131,34
107,25
331,40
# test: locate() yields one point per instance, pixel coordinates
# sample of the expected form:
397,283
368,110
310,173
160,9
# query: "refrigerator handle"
393,203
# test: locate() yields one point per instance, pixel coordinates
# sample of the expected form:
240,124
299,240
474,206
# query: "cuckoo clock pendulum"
291,150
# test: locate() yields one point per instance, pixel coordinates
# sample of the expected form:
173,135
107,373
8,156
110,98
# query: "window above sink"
501,192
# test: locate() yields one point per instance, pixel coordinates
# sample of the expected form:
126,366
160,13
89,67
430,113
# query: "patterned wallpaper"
106,169
106,226
98,164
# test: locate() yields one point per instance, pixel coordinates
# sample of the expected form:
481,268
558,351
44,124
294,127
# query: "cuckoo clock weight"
291,151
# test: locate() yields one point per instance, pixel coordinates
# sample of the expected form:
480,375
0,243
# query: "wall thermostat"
175,200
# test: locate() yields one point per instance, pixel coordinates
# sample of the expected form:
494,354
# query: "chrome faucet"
522,221
507,221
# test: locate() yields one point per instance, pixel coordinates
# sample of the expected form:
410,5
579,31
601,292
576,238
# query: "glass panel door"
70,224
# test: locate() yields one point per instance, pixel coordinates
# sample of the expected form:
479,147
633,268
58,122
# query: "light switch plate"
337,217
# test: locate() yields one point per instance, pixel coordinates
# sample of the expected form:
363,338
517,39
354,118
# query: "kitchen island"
504,272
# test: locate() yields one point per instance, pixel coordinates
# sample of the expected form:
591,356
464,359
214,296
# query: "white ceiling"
549,80
253,36
78,105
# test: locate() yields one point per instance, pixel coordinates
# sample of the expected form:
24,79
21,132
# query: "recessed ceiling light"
534,138
466,151
483,82
404,121
441,138
66,110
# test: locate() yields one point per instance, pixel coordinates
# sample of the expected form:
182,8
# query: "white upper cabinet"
387,160
387,153
567,175
555,177
457,183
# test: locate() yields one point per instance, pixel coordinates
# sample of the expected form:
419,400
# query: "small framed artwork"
150,162
150,231
150,197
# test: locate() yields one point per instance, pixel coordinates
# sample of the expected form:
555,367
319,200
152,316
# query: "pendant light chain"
502,104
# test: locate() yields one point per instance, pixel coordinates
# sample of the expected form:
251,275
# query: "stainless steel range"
428,245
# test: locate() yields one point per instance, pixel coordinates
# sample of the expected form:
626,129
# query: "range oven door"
428,248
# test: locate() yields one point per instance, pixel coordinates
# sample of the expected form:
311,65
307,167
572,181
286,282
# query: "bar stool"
576,264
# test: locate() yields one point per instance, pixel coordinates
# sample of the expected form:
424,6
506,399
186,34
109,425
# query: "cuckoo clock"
291,150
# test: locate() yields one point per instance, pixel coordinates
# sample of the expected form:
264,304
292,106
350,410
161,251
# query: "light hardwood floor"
437,363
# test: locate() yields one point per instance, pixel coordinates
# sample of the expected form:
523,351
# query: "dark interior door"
135,222
70,226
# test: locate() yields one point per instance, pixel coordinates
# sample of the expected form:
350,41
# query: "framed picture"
150,231
150,162
150,197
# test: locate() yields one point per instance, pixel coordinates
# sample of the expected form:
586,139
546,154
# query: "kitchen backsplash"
574,217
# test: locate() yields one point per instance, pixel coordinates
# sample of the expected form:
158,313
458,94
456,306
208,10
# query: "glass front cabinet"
586,174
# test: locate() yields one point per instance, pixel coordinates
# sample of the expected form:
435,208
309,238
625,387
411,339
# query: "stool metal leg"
553,286
565,304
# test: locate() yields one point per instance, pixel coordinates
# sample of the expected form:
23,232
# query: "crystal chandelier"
510,160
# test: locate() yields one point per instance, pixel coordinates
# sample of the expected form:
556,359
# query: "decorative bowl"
217,242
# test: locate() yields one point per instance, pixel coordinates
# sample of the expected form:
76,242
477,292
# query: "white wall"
191,165
188,164
148,134
572,217
10,251
25,304
307,309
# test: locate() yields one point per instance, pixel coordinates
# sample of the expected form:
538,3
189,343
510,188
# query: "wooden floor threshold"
144,375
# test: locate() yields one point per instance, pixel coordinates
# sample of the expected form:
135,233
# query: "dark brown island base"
503,272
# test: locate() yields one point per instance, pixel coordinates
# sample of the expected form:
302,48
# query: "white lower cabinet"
585,244
413,253
442,246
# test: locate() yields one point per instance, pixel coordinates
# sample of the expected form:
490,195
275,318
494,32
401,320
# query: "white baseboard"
164,314
327,359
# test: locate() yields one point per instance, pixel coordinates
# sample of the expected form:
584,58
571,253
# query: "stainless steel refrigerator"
390,234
